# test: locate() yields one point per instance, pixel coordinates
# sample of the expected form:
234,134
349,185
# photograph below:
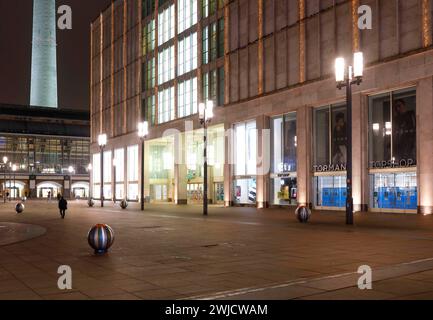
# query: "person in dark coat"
63,206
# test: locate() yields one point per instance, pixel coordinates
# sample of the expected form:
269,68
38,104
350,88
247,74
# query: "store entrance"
159,193
394,191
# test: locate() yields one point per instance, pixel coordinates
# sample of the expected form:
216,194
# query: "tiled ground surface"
171,252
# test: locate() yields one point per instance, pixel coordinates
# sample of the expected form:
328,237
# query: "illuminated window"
132,169
150,109
149,74
187,51
187,14
149,37
166,22
166,105
187,98
213,86
166,65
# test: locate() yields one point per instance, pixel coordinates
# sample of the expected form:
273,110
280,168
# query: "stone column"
67,187
360,173
304,152
180,184
425,146
263,161
228,165
146,172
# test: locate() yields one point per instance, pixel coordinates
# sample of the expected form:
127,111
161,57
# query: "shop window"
394,191
392,130
245,149
245,191
284,161
330,191
330,125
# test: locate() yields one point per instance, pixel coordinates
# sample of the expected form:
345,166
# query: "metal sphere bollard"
90,203
24,199
124,204
19,208
303,214
101,238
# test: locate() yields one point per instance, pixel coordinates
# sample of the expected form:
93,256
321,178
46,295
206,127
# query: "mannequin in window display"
339,139
404,132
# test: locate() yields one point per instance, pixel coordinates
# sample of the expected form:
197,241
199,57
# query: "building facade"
278,133
47,152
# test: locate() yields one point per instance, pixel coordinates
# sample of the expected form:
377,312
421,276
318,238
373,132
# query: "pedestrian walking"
63,206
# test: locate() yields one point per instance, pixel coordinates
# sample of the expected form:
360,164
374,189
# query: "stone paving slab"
173,252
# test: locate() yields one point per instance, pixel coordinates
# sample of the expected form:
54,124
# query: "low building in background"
47,152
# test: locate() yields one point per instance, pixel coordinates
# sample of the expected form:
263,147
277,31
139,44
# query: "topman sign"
330,168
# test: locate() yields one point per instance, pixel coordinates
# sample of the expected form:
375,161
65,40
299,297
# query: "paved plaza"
172,252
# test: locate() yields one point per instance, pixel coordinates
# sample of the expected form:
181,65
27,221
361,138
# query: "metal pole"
142,175
349,199
205,201
102,177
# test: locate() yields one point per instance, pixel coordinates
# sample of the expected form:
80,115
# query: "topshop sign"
403,163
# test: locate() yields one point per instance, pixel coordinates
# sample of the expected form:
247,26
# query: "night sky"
73,51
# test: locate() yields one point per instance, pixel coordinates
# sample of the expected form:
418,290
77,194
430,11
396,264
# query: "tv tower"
43,92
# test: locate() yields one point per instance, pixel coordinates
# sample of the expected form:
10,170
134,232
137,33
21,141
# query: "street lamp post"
143,131
205,117
347,77
102,142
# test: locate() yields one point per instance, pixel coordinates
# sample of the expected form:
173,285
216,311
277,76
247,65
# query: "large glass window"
209,7
96,174
392,130
166,25
187,98
187,14
133,173
213,41
187,59
119,156
149,37
394,191
283,149
330,136
149,74
150,109
148,7
166,65
330,191
213,86
166,105
245,149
